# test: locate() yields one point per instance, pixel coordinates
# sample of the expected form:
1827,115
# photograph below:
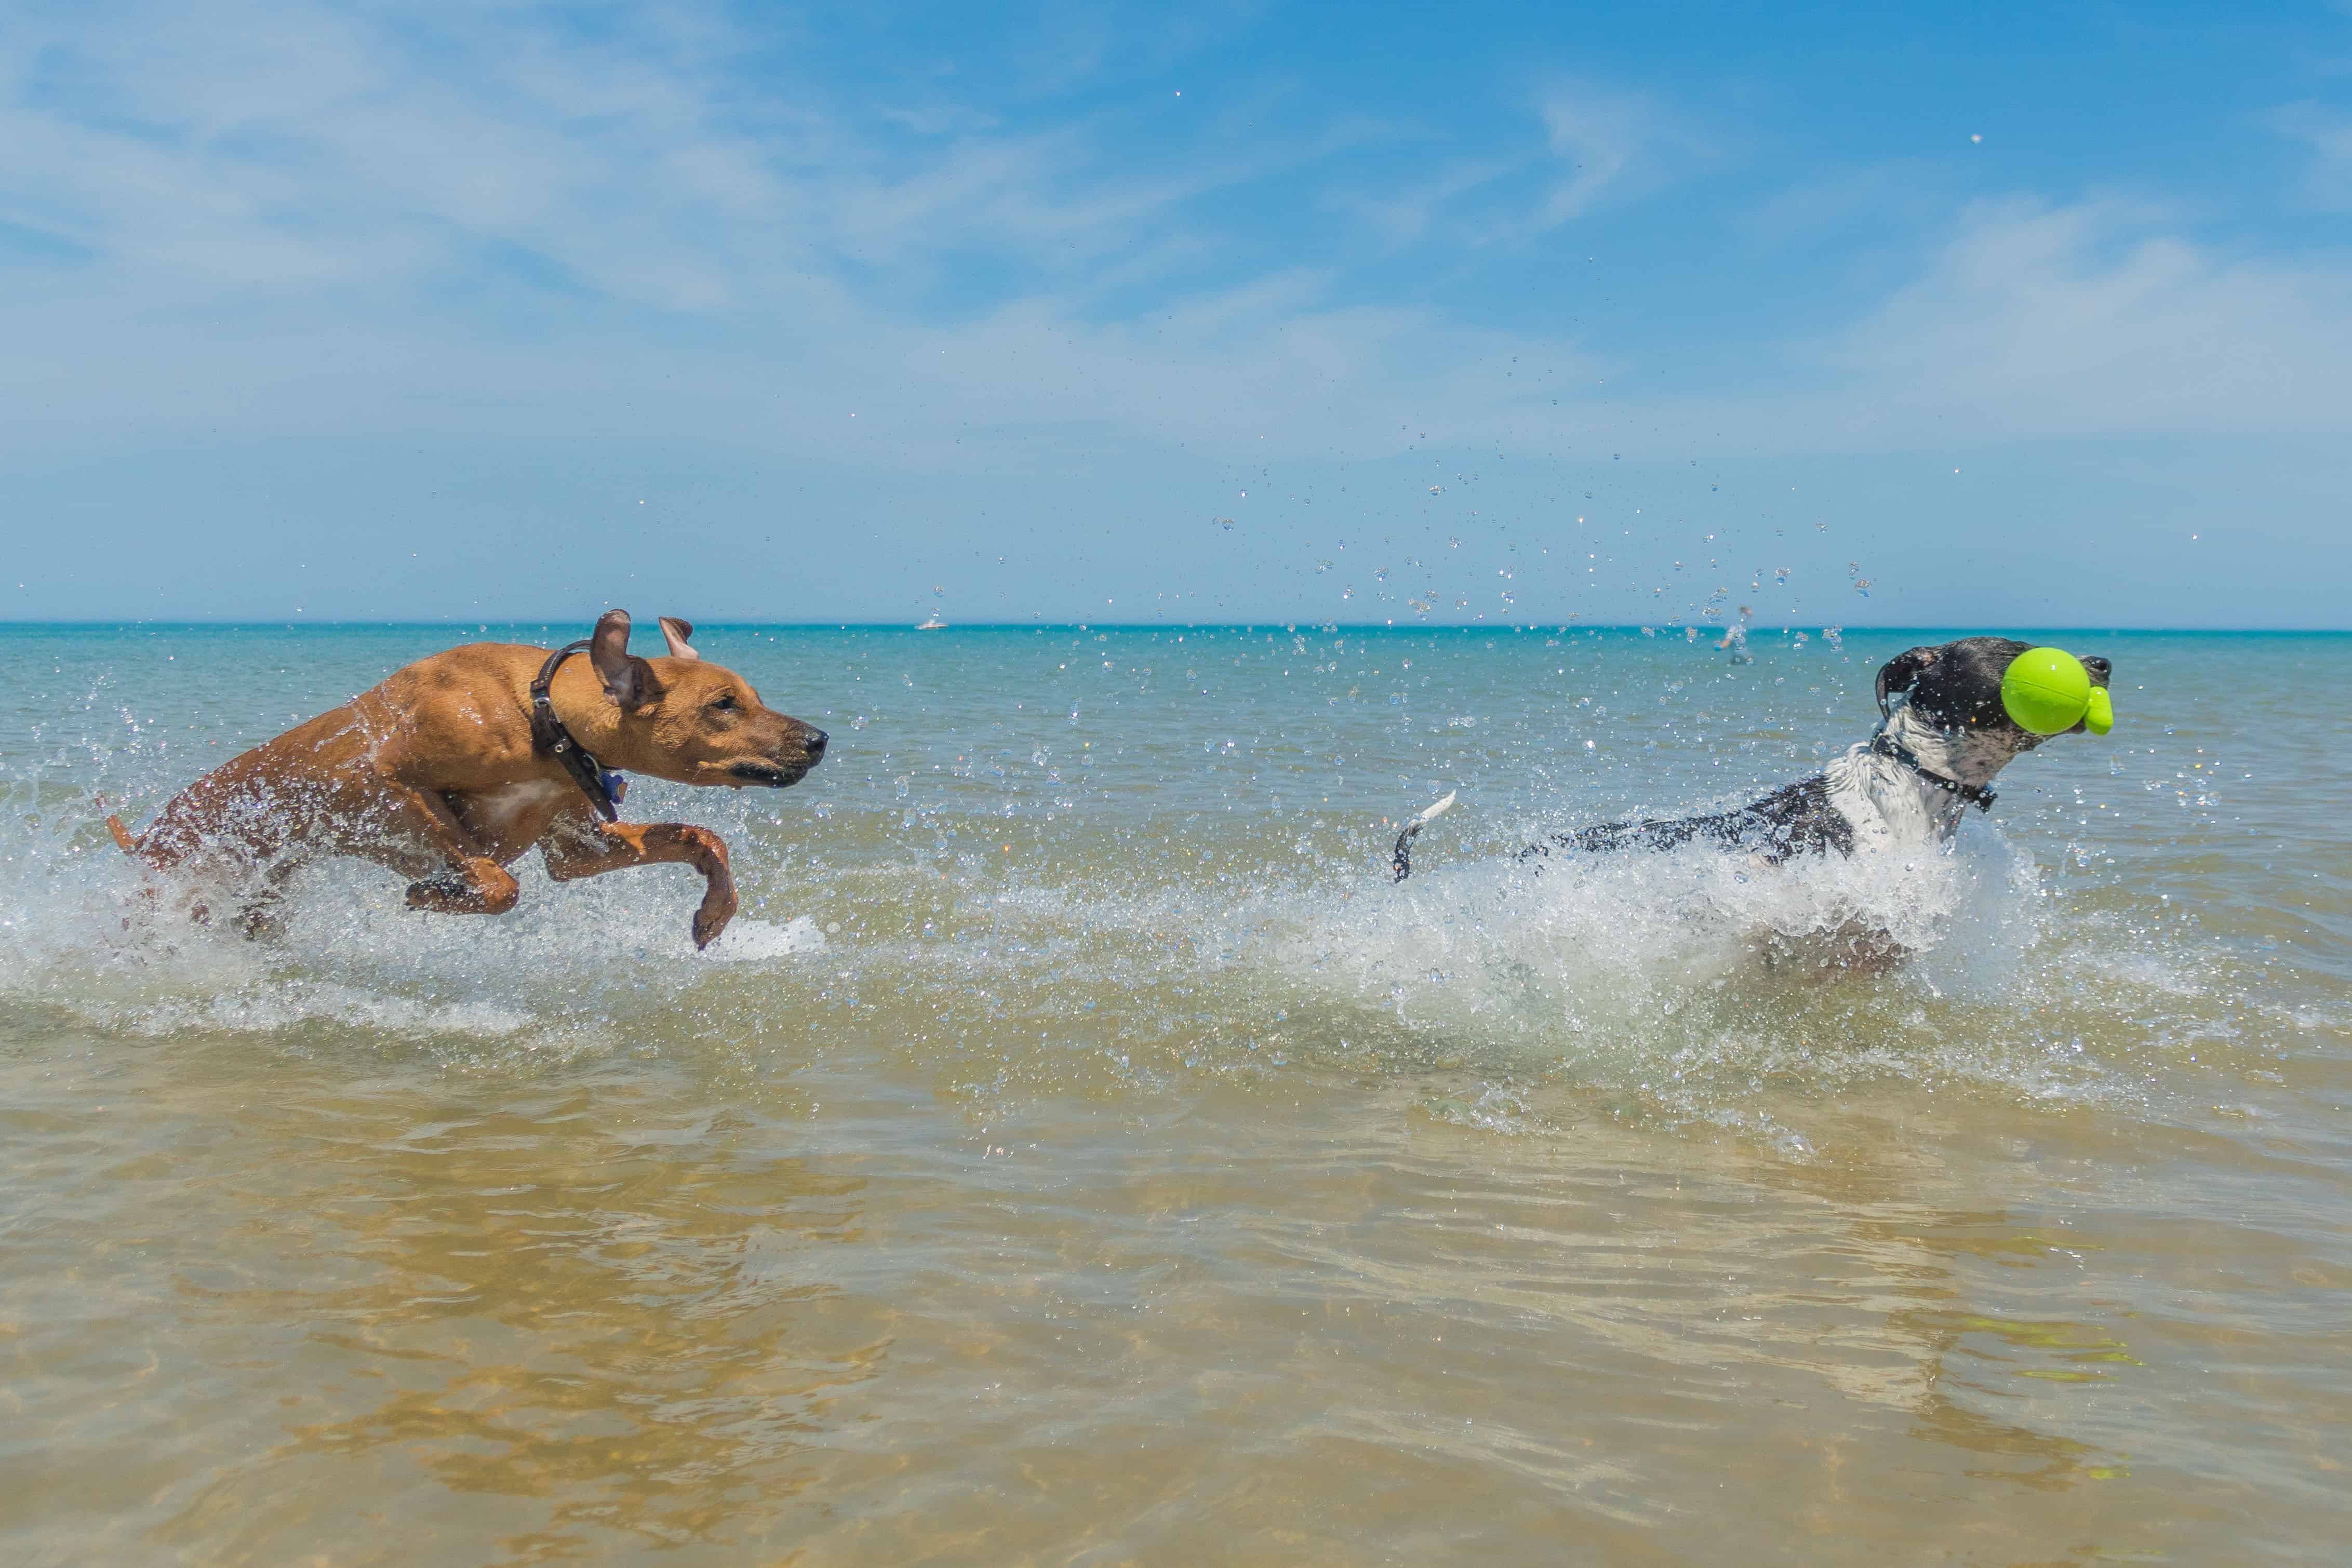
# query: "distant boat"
934,624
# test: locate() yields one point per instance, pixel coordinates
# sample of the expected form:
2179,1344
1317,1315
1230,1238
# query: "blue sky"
1982,316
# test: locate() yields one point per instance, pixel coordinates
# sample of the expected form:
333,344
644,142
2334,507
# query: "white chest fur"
496,813
1890,805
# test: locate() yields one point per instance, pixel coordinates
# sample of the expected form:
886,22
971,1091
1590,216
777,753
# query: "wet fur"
432,774
1940,703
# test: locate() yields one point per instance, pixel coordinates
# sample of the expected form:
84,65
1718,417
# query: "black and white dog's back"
1943,738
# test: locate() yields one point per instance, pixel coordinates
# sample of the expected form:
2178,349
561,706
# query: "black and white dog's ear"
1899,673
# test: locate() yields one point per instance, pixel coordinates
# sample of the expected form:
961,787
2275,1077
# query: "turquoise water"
1076,1106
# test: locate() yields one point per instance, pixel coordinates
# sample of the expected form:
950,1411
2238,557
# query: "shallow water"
1078,1152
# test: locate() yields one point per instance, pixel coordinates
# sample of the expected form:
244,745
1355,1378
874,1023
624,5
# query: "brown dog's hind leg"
477,887
260,916
415,832
577,849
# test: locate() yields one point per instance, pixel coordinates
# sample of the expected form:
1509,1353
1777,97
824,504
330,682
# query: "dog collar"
1975,795
602,787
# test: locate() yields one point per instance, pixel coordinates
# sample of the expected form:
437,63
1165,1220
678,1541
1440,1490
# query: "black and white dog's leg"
1403,860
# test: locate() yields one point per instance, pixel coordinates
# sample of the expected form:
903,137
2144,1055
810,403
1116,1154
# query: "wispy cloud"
2326,132
1415,212
1573,148
1602,137
2101,317
306,213
238,190
2030,321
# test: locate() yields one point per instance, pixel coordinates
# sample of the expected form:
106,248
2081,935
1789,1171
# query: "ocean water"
1079,1151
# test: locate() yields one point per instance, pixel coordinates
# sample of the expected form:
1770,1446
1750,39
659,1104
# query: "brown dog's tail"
123,835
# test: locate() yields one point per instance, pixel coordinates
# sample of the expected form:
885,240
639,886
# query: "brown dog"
457,764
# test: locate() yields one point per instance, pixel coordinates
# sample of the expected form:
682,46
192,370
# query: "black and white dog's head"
1949,714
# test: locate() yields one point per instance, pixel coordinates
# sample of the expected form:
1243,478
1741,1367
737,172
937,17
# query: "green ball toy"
2048,691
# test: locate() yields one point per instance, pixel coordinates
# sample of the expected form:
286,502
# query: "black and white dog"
1944,734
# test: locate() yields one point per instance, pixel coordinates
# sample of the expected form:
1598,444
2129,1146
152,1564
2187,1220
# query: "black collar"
1975,795
602,787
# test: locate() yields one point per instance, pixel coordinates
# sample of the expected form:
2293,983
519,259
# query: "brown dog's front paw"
718,909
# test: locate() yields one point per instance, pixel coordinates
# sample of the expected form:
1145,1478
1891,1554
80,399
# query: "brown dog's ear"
675,632
628,681
1899,673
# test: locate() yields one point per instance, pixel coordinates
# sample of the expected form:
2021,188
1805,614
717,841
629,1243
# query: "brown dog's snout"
812,742
2098,666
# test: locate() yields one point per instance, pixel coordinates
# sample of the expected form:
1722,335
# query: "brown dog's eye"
725,704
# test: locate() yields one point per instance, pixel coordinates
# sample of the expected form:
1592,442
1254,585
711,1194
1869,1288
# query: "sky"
1988,317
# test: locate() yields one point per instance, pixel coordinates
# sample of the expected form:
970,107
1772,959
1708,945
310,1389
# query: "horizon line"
1292,626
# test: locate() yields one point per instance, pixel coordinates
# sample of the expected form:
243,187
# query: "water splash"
1181,894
